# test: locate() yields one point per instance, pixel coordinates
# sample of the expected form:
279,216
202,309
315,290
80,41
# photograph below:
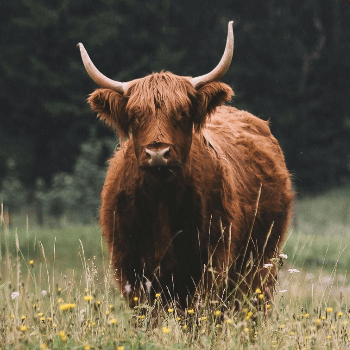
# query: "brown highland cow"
198,197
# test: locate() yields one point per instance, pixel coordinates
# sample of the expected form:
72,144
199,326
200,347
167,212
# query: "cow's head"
160,111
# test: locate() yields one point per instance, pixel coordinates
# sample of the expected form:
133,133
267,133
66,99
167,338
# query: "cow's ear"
208,98
110,107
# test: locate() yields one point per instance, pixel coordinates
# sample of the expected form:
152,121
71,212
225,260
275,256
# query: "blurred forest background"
291,66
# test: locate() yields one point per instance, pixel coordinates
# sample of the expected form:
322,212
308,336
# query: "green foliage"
77,196
12,190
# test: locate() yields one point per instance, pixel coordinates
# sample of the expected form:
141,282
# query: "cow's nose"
158,157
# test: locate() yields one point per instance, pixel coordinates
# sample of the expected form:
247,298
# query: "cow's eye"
134,119
184,115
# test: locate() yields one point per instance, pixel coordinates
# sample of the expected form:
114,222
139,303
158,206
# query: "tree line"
291,66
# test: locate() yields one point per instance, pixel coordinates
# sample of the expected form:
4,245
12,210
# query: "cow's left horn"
219,71
100,79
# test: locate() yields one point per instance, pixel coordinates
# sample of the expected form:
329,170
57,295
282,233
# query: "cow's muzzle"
159,160
158,156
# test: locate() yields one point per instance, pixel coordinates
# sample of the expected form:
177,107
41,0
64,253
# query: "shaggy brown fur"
222,202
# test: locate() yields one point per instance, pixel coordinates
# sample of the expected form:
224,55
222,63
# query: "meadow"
57,292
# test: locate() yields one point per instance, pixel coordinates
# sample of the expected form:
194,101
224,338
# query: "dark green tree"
291,66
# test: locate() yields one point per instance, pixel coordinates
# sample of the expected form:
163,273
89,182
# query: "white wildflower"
128,288
283,290
44,293
14,295
268,265
283,256
293,270
148,286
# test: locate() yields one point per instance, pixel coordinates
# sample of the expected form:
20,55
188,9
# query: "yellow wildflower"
329,309
12,316
157,295
228,321
31,262
329,337
340,314
136,298
107,312
23,317
258,291
291,333
88,297
59,300
43,346
86,347
63,336
282,326
306,315
191,311
120,348
23,328
184,327
246,329
261,296
143,317
323,318
217,313
42,319
113,321
249,315
166,330
170,310
67,306
268,306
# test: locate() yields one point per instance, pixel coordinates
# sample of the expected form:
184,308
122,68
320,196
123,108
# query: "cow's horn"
219,71
100,79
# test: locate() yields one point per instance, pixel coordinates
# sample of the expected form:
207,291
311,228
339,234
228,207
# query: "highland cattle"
198,193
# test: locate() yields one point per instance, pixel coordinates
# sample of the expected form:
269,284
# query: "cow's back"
257,190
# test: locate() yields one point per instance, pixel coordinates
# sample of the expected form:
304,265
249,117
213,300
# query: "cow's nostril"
166,154
148,153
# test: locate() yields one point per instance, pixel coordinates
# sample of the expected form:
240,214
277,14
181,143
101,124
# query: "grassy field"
57,292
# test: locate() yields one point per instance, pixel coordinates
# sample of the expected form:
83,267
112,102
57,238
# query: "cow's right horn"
100,79
219,71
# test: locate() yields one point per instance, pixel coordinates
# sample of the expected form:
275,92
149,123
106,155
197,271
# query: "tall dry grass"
45,306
